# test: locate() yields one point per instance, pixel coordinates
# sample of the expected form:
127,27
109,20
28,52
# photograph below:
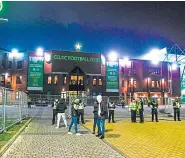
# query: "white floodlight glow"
113,56
14,52
6,75
47,57
174,66
103,60
40,51
155,62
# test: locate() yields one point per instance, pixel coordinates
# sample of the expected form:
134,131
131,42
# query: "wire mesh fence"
13,107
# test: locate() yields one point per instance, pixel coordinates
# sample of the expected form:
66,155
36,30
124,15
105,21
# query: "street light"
113,56
14,53
40,51
174,66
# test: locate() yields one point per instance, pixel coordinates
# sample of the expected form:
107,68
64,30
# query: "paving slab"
42,140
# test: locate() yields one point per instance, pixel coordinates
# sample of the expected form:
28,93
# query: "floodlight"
14,52
174,66
113,56
40,51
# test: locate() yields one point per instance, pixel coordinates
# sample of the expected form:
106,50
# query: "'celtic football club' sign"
35,73
112,77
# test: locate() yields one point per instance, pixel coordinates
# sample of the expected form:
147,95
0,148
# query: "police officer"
133,107
111,107
176,108
154,107
140,110
81,112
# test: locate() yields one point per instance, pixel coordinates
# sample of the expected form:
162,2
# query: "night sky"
130,28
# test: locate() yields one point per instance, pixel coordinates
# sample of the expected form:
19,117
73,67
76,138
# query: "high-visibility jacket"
140,105
176,105
133,105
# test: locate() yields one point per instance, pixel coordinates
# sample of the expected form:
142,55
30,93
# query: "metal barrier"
13,107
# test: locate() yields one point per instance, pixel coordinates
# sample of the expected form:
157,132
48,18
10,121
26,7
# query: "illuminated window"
135,84
65,80
94,82
157,84
55,79
129,83
19,80
8,80
100,82
49,79
122,83
153,83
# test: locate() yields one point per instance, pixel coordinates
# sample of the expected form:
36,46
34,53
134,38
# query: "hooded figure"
74,119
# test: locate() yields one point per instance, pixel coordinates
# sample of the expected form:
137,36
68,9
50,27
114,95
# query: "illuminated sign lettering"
76,58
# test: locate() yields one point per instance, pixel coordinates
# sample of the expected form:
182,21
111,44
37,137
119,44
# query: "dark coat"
61,107
74,112
95,110
104,111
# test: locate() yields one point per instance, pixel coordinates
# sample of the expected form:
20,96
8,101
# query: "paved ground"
40,139
165,139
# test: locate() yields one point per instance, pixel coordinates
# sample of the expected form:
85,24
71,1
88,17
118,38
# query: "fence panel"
13,107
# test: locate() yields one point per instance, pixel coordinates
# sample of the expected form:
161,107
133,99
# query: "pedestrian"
133,107
81,112
96,118
140,110
74,114
54,105
111,107
122,103
102,115
176,108
154,107
29,102
60,109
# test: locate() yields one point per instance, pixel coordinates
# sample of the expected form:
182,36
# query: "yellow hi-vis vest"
139,105
133,105
177,105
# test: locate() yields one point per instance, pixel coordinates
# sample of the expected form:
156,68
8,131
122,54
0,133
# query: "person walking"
140,110
176,108
81,112
102,115
111,107
74,114
133,107
154,107
96,119
54,105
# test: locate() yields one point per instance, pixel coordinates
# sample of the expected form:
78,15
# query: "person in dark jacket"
60,108
96,118
54,106
111,107
140,110
102,115
154,107
74,114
